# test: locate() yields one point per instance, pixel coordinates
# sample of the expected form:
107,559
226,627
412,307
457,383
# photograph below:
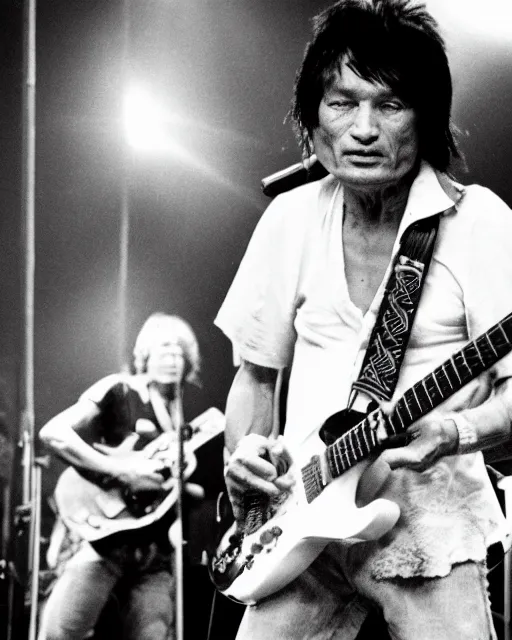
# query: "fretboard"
360,441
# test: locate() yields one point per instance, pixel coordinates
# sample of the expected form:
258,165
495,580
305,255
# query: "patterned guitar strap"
390,335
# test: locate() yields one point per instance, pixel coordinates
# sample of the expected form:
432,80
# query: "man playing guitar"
372,101
106,436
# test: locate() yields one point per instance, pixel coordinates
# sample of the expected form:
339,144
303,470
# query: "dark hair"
393,42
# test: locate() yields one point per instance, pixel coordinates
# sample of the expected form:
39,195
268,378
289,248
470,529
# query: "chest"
366,259
126,415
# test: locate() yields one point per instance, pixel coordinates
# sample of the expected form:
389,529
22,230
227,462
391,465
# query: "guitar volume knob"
267,537
256,548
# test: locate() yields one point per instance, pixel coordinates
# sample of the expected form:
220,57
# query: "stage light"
149,128
146,122
473,18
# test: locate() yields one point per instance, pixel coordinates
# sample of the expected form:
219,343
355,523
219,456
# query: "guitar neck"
468,363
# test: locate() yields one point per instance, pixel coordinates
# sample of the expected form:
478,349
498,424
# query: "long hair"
392,42
181,332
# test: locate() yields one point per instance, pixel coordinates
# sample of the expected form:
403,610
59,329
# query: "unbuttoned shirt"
289,306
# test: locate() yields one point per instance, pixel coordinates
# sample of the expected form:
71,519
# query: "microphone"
293,176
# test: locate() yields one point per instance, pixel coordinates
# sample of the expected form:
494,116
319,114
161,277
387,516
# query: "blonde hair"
185,337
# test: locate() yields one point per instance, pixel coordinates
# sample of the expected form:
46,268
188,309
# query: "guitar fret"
363,442
408,408
422,394
348,446
345,465
352,450
437,385
359,453
391,423
443,369
479,354
357,447
373,440
339,463
424,383
500,340
351,443
500,327
337,457
397,412
416,397
346,451
491,344
488,352
463,355
454,366
363,429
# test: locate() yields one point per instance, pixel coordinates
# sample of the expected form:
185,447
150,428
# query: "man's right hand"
138,473
258,464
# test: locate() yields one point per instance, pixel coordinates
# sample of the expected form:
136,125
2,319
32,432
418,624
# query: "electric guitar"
100,513
282,537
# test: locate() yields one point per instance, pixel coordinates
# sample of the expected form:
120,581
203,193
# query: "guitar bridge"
313,479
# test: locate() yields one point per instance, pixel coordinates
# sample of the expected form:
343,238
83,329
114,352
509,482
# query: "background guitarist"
373,100
115,412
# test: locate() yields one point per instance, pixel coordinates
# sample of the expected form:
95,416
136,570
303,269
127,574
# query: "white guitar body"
306,529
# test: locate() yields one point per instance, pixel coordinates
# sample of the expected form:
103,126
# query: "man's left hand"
429,439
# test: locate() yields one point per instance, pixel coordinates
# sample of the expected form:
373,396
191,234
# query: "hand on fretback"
426,440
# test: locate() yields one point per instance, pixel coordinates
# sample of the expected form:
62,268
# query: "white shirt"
289,302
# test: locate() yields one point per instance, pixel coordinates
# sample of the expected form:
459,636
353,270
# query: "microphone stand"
27,515
179,424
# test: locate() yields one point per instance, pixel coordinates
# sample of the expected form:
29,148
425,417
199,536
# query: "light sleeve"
259,310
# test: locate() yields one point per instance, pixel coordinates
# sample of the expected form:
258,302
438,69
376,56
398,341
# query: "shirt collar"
431,192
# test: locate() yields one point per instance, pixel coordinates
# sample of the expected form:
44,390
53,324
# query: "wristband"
467,433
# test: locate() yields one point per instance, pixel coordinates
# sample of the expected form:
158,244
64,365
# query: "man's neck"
375,209
166,390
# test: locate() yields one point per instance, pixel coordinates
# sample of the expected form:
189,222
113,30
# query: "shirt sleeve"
103,391
259,310
488,282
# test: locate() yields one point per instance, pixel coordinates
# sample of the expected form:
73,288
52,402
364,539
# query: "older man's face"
366,136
